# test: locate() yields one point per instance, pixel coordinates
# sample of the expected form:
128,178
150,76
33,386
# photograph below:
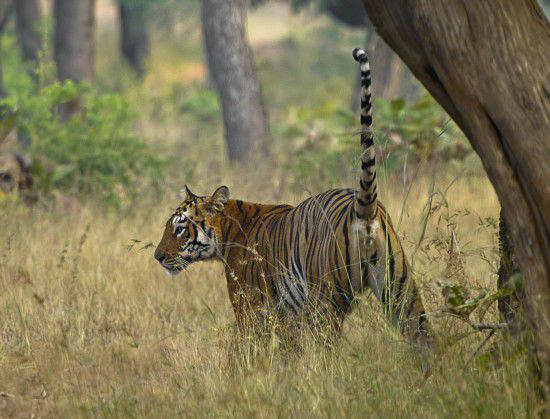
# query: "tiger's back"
315,255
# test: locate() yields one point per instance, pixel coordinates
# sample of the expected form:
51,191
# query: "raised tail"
366,201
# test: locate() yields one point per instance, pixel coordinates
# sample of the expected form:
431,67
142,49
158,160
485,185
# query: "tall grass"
91,326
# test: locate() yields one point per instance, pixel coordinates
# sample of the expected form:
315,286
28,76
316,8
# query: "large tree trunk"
27,14
134,34
74,43
488,64
232,69
509,306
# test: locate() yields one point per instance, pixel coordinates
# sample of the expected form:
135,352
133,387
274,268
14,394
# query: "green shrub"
422,130
202,104
324,138
94,152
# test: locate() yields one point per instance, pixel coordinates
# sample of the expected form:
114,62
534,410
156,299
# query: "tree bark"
27,16
5,11
134,34
74,43
509,306
488,64
350,12
232,70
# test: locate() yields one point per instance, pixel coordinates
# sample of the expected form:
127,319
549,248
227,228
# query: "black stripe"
401,282
370,182
240,205
366,165
366,82
367,140
374,197
346,297
370,163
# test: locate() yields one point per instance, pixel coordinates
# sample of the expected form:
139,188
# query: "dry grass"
91,328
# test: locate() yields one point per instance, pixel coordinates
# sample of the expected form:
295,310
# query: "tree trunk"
388,71
488,64
134,34
232,70
3,92
74,43
5,11
509,305
350,12
27,15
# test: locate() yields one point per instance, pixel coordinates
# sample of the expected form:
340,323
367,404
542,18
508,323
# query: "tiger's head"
193,232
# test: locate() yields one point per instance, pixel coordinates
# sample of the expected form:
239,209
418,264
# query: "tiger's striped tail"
366,201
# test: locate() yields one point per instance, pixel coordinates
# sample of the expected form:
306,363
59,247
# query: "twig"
493,327
425,225
489,336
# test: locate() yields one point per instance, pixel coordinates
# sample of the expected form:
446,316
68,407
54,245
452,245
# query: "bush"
94,152
421,129
324,139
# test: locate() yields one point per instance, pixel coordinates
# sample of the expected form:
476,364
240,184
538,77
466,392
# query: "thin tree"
27,17
5,13
488,64
74,39
134,33
233,72
74,45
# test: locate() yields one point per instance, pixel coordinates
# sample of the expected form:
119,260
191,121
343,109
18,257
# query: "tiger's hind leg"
414,325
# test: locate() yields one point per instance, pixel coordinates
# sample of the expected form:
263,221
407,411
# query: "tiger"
324,252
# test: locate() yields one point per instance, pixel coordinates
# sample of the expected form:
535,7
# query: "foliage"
420,129
202,104
92,153
322,146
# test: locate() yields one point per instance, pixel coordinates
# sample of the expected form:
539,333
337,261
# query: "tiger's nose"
159,255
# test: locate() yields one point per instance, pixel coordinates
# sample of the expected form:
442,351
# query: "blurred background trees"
71,44
134,32
201,79
74,39
28,15
233,72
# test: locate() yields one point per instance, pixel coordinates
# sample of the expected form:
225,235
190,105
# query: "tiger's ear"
186,194
218,199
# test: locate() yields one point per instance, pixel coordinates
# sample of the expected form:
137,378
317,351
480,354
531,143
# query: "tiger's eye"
178,230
